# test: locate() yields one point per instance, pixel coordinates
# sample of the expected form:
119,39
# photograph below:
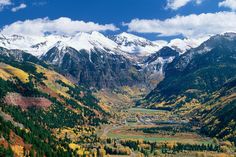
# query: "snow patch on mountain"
136,45
183,45
125,44
91,41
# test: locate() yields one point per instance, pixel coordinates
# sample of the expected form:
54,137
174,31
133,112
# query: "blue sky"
114,12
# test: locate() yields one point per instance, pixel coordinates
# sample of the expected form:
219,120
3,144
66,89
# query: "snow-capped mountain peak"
183,45
135,45
90,41
126,39
125,44
38,46
33,45
60,45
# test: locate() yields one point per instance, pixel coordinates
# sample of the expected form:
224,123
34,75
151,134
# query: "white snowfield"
124,44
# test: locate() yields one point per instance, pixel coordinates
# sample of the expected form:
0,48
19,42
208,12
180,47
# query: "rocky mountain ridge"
94,59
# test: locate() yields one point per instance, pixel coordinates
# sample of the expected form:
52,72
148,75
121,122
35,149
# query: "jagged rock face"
161,58
14,54
95,68
165,53
154,65
18,55
96,60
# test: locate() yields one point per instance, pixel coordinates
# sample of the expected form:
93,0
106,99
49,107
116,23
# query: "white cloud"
228,4
176,4
191,26
4,3
21,6
61,26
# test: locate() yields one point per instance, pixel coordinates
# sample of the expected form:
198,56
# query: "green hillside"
37,104
201,85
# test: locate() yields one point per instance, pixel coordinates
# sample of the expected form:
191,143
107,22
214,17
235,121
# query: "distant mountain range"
123,43
99,61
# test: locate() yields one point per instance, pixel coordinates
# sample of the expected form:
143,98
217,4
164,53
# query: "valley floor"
132,126
171,134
